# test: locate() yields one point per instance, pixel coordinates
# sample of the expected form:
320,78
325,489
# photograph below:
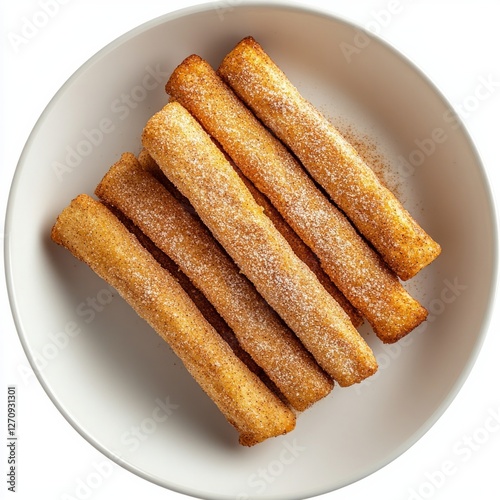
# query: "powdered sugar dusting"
95,236
351,264
257,247
329,158
182,237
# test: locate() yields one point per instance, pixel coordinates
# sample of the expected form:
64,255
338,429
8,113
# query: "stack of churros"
329,158
220,238
259,330
94,235
356,269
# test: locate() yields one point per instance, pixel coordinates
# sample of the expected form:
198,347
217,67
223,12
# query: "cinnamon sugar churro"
298,246
184,239
301,250
200,301
94,235
355,268
329,158
197,167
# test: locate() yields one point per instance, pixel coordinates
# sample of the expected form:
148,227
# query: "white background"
456,43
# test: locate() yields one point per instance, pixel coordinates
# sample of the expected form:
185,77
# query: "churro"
301,249
355,268
95,236
329,158
259,330
298,246
200,301
190,159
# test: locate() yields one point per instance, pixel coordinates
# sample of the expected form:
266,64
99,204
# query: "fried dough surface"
201,302
184,239
298,246
95,236
197,167
329,158
302,250
355,268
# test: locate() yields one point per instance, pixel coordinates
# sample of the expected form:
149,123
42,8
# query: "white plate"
113,378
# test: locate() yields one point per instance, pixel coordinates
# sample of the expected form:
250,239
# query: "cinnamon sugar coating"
298,246
302,250
197,167
355,268
259,330
329,158
95,236
208,311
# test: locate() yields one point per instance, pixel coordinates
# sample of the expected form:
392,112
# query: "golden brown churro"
329,158
184,239
356,269
198,168
301,249
149,165
94,235
298,246
200,301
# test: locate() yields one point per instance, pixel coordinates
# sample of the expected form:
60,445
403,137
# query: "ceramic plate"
121,386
